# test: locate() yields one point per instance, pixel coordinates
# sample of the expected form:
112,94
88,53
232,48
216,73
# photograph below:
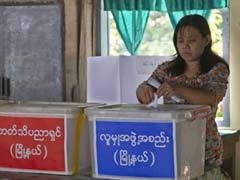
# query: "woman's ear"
208,39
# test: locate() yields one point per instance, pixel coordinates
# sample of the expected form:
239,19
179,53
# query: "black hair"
208,58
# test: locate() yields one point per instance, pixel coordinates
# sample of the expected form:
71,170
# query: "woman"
196,76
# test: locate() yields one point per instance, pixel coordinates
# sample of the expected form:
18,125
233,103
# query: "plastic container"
44,137
136,142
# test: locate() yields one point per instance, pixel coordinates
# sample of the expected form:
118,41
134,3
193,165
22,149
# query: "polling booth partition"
114,79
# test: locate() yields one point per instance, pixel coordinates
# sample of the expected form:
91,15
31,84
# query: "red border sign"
32,142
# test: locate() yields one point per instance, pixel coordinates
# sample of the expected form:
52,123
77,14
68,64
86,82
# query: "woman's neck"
192,69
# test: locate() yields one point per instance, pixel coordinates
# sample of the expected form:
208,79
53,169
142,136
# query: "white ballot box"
136,142
44,137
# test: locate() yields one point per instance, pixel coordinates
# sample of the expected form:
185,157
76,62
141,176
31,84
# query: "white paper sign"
146,64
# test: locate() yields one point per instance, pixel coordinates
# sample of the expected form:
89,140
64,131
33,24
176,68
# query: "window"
158,41
158,35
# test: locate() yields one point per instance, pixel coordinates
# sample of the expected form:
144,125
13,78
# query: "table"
231,144
31,176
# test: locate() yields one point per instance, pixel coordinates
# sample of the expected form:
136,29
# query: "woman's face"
191,43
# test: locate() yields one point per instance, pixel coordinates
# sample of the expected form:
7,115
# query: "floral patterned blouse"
215,81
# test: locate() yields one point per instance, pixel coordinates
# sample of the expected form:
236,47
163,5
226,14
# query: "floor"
29,176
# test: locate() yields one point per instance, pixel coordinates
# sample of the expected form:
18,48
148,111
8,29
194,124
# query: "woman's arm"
214,85
190,95
196,96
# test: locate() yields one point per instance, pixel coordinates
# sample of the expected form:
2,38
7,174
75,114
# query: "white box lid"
162,112
43,107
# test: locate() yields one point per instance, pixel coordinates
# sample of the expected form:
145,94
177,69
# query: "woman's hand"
167,90
145,93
